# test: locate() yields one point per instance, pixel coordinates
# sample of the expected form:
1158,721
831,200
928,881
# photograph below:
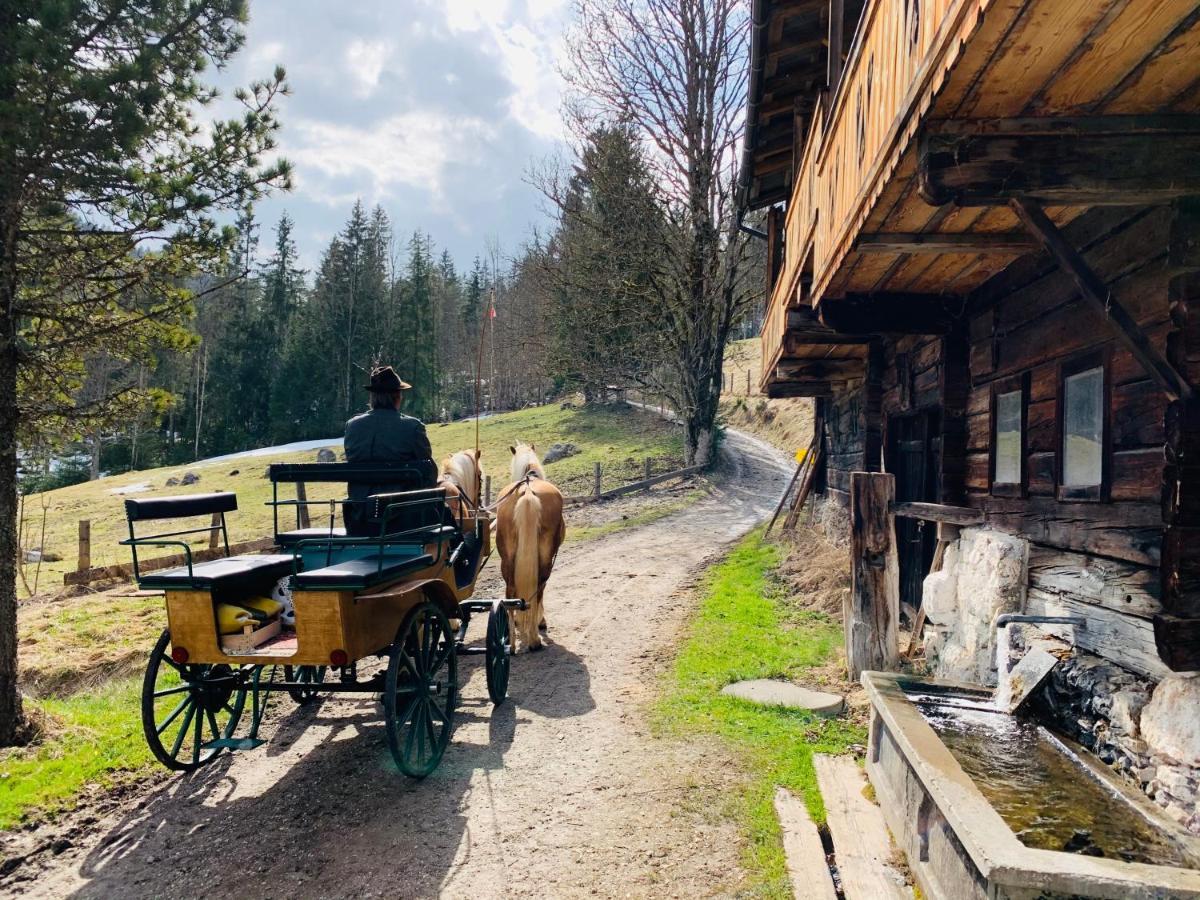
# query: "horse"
462,477
529,530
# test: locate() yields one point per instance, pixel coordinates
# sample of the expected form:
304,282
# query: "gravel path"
559,792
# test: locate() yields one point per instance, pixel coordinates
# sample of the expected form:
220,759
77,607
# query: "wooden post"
872,610
647,475
596,490
85,545
487,490
836,22
302,509
747,382
214,533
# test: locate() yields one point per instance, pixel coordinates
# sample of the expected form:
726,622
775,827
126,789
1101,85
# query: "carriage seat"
363,572
231,573
291,538
243,573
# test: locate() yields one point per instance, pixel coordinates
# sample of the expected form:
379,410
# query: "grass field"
746,627
618,438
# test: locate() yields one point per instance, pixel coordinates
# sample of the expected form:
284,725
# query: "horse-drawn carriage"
382,596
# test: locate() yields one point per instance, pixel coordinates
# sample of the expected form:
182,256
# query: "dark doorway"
914,447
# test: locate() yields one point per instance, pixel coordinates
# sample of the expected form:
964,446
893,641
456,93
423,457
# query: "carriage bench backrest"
391,476
182,507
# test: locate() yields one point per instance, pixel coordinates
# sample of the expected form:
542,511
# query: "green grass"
97,739
745,629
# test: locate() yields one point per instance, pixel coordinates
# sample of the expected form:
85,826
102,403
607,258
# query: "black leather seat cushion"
229,573
291,538
357,574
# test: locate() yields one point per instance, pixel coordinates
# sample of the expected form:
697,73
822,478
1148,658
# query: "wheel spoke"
166,692
441,712
196,740
410,739
426,645
429,729
418,723
159,729
183,730
410,664
212,723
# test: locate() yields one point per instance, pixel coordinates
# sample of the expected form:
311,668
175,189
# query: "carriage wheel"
313,675
498,649
185,705
419,694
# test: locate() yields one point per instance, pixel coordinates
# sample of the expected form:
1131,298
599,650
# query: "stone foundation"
1148,733
984,573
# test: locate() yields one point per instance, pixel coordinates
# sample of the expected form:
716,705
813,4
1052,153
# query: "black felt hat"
384,380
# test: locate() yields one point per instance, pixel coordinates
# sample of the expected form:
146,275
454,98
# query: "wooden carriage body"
359,622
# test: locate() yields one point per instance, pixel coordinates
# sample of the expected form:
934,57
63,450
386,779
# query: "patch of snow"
294,447
139,488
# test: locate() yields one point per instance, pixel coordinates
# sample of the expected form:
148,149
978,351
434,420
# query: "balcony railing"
901,54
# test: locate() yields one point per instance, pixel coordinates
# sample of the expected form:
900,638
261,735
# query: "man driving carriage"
383,434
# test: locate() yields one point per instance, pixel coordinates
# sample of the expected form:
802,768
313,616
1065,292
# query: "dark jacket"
384,436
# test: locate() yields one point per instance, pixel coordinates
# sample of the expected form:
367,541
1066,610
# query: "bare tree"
675,72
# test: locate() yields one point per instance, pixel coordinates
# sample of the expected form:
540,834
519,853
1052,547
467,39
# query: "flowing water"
1042,790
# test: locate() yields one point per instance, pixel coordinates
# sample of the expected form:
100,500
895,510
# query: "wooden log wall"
1102,558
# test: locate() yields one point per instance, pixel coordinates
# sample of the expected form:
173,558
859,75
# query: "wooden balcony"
860,219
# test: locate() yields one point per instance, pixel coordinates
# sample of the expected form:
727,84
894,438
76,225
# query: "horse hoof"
537,647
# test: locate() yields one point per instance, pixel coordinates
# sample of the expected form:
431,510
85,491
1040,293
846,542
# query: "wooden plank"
1127,640
807,867
1121,587
1096,292
872,614
895,313
862,846
1178,642
938,242
1109,169
1112,55
938,512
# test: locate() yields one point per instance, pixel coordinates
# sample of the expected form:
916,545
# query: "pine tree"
108,205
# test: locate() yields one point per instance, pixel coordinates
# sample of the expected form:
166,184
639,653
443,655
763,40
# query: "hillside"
618,438
786,424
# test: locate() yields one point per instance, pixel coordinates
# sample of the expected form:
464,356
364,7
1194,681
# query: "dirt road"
559,792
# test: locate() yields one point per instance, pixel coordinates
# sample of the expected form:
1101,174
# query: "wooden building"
985,264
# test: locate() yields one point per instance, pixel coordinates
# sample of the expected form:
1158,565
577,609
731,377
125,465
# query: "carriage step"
486,605
233,744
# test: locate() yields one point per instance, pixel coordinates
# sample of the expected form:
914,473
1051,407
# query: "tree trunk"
10,699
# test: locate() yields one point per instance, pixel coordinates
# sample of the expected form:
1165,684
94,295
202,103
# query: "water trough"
1083,833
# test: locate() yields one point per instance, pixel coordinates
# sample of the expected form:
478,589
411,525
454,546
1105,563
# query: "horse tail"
527,515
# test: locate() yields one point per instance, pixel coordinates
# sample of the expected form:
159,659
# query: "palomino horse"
462,476
529,530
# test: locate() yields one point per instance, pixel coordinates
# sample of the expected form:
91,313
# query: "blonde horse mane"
465,472
525,462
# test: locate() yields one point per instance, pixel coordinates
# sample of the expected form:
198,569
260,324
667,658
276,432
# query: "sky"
435,109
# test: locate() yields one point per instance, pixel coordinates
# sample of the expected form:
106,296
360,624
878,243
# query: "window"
1009,404
1083,419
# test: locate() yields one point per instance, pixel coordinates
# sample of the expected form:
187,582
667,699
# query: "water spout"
1014,687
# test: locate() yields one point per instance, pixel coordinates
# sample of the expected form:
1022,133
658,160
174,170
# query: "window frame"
1019,488
1096,493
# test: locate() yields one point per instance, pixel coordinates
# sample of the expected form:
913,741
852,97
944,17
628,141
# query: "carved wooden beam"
895,242
890,313
1117,161
800,389
1097,294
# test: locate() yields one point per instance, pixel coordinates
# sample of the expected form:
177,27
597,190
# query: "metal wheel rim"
184,705
313,675
419,721
496,660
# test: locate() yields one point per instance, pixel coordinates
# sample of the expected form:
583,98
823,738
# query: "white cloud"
527,42
412,149
365,62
